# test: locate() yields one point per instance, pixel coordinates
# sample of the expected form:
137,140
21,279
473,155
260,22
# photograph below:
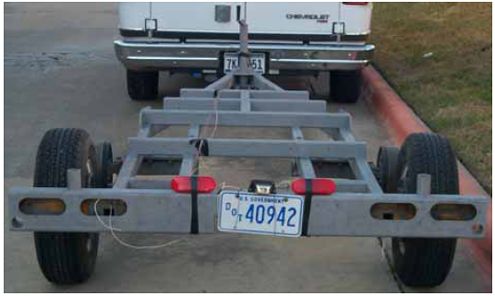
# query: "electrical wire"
119,240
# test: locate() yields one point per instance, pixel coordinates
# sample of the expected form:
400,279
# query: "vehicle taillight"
182,184
319,186
355,3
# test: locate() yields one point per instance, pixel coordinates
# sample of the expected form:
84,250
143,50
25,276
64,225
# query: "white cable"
99,219
207,123
225,186
134,246
119,240
212,134
283,184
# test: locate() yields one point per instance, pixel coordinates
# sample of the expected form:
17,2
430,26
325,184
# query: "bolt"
16,222
477,228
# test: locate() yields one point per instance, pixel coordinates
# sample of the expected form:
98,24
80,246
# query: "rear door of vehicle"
199,17
308,18
292,17
298,19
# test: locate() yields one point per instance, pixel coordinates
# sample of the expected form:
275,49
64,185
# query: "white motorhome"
199,38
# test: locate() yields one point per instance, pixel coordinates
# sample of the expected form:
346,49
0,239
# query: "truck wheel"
104,162
425,262
345,86
387,161
142,86
65,257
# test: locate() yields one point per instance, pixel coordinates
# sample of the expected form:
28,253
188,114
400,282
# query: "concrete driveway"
60,71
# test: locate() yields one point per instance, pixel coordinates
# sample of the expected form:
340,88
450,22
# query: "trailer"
410,195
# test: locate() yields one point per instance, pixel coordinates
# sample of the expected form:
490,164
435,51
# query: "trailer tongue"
408,195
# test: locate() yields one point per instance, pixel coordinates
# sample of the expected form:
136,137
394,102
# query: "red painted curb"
400,121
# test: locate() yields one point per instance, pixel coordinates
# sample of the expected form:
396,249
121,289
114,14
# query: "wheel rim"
90,173
402,246
401,184
89,244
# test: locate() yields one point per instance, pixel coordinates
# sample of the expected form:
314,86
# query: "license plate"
231,62
278,215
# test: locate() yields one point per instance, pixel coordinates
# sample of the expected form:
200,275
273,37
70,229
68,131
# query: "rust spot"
453,212
42,206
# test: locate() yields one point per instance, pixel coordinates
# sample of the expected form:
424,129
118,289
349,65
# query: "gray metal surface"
164,211
159,211
252,119
344,214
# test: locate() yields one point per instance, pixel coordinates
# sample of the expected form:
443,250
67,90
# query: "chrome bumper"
206,55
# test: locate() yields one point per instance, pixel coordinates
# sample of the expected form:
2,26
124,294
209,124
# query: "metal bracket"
74,179
222,13
150,26
338,28
423,184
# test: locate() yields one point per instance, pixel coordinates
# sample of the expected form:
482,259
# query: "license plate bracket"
274,214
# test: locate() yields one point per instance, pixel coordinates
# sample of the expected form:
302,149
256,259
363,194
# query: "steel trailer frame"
246,99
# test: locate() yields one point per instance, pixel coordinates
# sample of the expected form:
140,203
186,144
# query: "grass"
437,56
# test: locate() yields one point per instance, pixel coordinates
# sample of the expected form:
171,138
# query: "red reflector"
355,3
182,184
319,186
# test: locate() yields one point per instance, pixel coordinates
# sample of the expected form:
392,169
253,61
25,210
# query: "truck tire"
142,86
387,161
104,162
65,257
345,86
425,262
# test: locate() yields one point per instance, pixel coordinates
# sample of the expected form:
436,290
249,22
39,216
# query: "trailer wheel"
387,161
104,162
425,262
142,86
345,86
65,257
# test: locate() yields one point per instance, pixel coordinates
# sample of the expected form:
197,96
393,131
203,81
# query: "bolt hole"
388,216
16,222
108,212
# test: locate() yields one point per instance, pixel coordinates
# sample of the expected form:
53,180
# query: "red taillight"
182,184
355,3
319,186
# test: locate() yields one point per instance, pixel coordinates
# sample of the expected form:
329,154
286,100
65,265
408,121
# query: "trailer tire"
142,85
387,162
425,262
65,257
345,86
104,162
